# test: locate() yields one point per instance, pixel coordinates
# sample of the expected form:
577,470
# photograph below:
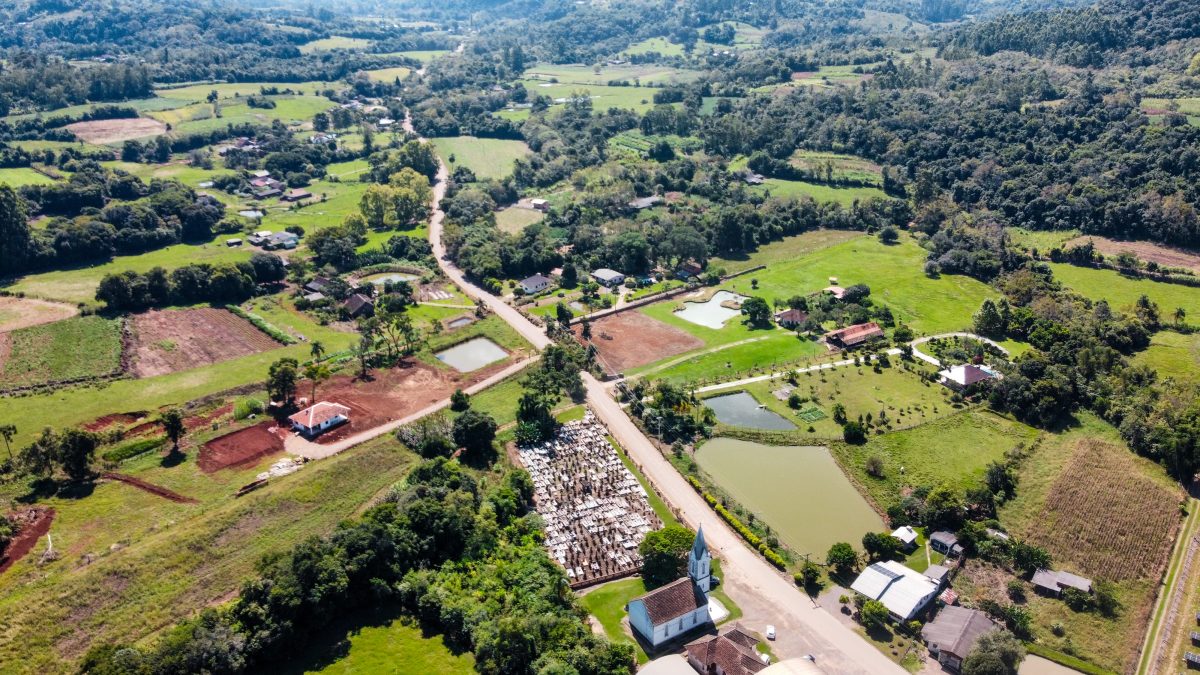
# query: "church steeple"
700,562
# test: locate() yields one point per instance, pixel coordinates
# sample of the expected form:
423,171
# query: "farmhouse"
267,193
836,291
317,285
752,178
1054,583
607,277
953,634
679,607
296,195
904,591
852,336
535,284
259,238
643,203
321,416
966,375
732,652
359,305
945,543
689,269
286,240
790,318
539,204
906,536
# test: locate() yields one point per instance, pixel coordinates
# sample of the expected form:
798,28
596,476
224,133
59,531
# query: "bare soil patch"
103,132
32,524
630,339
1106,518
174,340
25,312
114,420
241,447
150,487
1166,256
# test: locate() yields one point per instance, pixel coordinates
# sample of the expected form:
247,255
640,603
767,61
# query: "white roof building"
905,592
966,375
905,535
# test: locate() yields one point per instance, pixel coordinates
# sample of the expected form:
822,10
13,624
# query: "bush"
247,407
262,324
133,449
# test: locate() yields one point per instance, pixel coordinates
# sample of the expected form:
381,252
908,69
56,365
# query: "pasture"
638,99
86,346
141,105
1172,355
791,488
515,219
388,74
291,110
335,42
104,132
487,157
1166,256
644,74
893,272
1122,292
840,167
198,93
844,195
19,176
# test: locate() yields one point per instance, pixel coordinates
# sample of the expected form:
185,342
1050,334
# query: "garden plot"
24,312
174,340
104,132
596,511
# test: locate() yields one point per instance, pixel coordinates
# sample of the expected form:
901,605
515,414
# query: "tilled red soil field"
174,340
149,487
33,523
241,447
631,339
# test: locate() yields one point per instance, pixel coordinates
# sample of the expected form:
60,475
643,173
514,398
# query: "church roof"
672,601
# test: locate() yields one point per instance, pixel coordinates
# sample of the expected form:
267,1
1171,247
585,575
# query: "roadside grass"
514,219
933,454
894,273
1173,355
500,399
846,196
153,562
906,398
335,42
388,75
487,157
85,346
21,176
1122,292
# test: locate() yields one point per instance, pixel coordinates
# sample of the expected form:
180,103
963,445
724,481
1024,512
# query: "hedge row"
133,449
729,517
262,324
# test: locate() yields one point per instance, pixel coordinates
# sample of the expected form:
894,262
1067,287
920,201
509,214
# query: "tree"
854,432
316,373
757,312
15,235
474,431
664,554
889,235
809,575
997,652
172,422
317,350
281,380
7,432
880,546
1106,599
842,558
873,614
38,457
76,449
1029,558
459,400
839,413
988,321
1179,315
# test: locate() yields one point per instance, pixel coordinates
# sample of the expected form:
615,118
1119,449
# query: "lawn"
20,176
893,272
1173,355
952,451
487,157
335,42
382,647
152,562
515,219
846,196
388,75
86,346
1122,292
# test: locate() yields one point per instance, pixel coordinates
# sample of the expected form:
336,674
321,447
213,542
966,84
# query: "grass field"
198,93
654,44
513,219
422,55
933,454
388,74
335,42
487,157
638,99
591,75
894,274
1122,292
845,196
162,102
177,169
1173,355
1042,240
845,167
785,250
85,346
23,176
154,562
288,109
381,647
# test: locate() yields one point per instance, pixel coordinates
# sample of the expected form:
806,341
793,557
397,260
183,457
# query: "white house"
679,607
906,536
607,277
963,376
321,416
905,592
535,284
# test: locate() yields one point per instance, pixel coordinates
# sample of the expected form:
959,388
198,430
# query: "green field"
732,352
86,346
487,157
638,99
953,451
335,42
154,562
598,75
1042,240
199,118
1173,355
198,93
162,102
514,219
845,167
1122,292
846,196
388,74
177,169
23,176
894,273
654,44
388,647
791,489
422,55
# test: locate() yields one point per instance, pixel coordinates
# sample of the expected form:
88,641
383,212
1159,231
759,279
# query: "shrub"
262,324
247,407
133,449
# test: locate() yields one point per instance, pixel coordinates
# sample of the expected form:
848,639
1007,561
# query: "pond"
799,491
710,314
472,355
251,213
393,277
743,410
460,322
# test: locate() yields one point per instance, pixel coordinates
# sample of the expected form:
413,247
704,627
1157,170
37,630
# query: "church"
679,607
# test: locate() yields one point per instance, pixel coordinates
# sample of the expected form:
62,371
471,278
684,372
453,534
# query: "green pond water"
799,491
742,410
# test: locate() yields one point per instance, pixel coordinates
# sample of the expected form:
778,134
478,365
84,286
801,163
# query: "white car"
770,632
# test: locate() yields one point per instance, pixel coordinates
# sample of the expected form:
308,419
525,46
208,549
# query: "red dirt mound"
150,487
117,419
33,523
239,448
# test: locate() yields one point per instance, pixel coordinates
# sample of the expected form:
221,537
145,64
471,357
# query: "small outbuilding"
643,203
299,194
945,543
732,652
938,574
359,305
607,277
319,418
907,537
1053,583
539,204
